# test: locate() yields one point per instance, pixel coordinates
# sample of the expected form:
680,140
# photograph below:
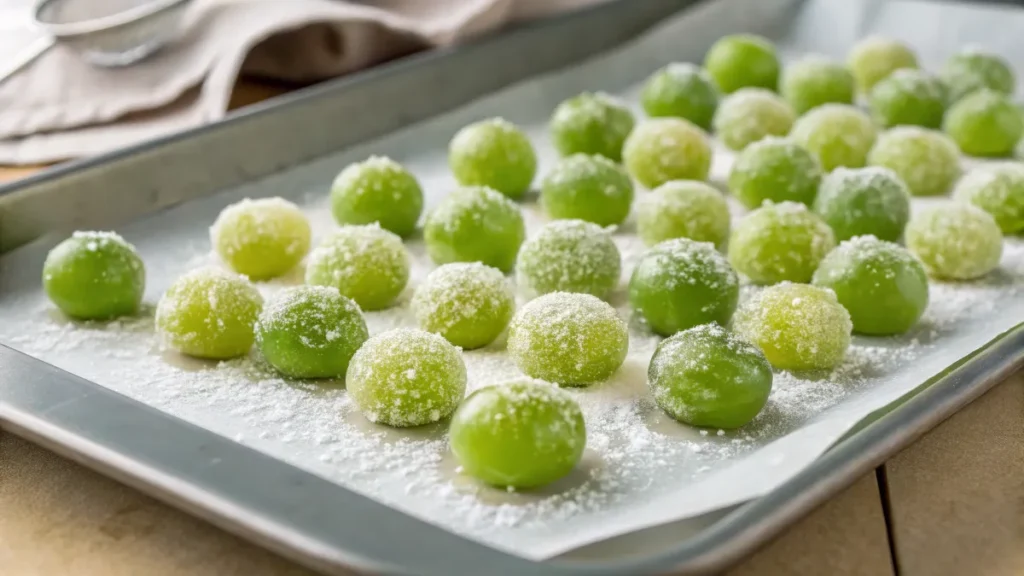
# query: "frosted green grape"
836,134
999,190
743,60
591,188
664,149
493,153
874,58
706,376
569,256
779,242
377,190
591,123
955,241
751,114
310,332
405,378
570,339
682,90
683,209
881,284
518,434
94,276
365,263
775,170
973,69
475,224
813,81
469,304
797,326
680,284
927,161
985,123
209,313
864,201
262,238
909,97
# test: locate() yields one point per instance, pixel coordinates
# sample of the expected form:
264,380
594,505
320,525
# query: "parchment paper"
641,468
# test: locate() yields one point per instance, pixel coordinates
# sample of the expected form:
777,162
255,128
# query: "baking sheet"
641,468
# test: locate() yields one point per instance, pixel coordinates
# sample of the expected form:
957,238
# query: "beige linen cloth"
60,107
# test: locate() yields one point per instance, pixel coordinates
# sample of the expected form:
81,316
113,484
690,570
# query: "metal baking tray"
266,500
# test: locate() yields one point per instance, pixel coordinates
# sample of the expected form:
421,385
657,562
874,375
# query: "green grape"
927,161
955,241
909,97
985,123
874,58
209,313
475,224
365,263
469,304
707,377
262,238
379,190
406,377
999,190
864,201
881,284
591,188
750,114
569,256
973,69
683,209
682,90
566,338
779,242
797,326
680,284
493,153
836,134
743,60
775,170
518,434
94,276
310,332
664,149
814,81
591,123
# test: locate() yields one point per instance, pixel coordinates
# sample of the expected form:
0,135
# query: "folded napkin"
60,107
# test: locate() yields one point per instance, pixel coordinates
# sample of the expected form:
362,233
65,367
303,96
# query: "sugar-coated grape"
706,376
468,303
680,284
406,377
973,69
567,338
518,434
999,190
682,90
909,97
881,284
743,60
797,326
310,332
864,201
813,81
664,149
209,313
493,153
955,241
377,190
778,242
927,161
475,224
591,123
750,114
985,123
874,58
262,238
776,170
569,256
94,276
591,188
683,209
836,134
365,263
